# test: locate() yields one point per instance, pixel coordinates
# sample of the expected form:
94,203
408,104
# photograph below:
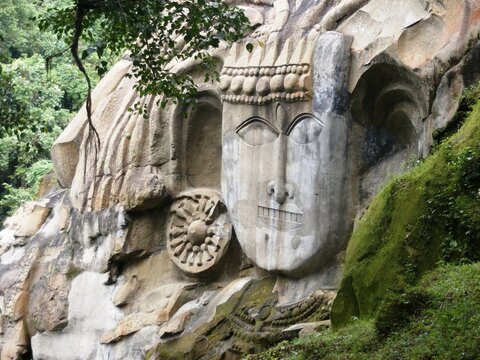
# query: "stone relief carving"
199,231
266,324
268,74
296,163
284,163
264,84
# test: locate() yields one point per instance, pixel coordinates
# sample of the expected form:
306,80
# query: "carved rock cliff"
218,230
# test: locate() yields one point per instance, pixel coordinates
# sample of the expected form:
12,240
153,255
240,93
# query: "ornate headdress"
269,73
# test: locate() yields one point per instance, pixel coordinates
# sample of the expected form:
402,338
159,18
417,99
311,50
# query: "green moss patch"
438,319
428,215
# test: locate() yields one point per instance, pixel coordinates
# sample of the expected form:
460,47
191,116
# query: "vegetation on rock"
154,33
428,215
35,105
205,340
437,319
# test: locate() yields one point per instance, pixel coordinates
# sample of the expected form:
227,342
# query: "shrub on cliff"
426,216
437,319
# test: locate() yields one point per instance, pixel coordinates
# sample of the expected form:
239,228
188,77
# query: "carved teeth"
271,213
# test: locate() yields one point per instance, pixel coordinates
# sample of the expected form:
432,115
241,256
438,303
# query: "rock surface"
220,230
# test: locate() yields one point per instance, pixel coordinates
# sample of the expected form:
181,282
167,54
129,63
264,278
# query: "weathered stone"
126,292
65,151
306,329
280,196
18,343
199,232
21,302
64,219
142,191
48,184
2,324
90,314
133,323
28,219
154,313
296,138
48,305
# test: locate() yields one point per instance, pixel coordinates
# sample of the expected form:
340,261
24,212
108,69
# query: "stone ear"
389,105
196,142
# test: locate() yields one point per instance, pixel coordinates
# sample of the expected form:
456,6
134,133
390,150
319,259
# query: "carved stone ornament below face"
254,326
199,231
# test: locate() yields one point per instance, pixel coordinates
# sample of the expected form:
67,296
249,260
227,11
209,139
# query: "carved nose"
280,191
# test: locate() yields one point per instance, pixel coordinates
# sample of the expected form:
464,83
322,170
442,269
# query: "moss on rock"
437,319
428,215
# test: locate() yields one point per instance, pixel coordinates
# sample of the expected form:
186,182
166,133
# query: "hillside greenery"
77,40
425,216
35,104
436,319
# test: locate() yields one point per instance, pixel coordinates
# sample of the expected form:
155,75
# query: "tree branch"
79,16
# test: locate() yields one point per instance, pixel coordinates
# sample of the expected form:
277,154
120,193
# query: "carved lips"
283,219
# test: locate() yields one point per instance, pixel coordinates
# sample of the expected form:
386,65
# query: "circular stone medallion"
198,231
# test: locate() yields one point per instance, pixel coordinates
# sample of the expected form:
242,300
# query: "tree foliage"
154,32
35,104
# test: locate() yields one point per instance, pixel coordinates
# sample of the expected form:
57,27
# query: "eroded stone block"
28,219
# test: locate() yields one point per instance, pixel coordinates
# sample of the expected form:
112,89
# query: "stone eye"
304,129
256,132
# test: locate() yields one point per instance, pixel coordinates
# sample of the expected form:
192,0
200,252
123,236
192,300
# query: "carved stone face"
284,179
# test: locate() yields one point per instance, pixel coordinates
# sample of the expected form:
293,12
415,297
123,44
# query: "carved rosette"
198,231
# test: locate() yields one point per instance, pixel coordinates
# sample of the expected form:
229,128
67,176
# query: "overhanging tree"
154,32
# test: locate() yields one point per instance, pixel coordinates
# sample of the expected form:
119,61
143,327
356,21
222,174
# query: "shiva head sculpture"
285,163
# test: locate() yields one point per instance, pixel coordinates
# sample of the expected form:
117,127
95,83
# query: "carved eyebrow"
300,118
255,119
